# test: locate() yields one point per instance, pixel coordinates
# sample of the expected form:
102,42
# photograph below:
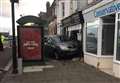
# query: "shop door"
108,31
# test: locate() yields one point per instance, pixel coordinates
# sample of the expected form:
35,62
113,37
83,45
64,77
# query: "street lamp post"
14,56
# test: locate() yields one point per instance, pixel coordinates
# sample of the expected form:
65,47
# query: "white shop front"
102,37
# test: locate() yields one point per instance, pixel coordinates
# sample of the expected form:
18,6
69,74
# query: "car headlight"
64,47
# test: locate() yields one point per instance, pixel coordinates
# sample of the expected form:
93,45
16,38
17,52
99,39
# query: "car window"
56,39
64,38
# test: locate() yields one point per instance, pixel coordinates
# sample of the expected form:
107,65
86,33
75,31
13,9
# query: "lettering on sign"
30,45
111,9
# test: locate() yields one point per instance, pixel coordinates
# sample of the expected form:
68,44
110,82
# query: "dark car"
59,47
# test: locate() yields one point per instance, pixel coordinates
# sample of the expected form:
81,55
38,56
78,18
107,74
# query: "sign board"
114,7
30,43
74,19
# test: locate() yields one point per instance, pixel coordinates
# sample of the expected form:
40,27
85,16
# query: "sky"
26,7
33,7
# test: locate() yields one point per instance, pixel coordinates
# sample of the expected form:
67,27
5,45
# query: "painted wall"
116,69
99,62
5,8
81,4
59,12
89,17
5,16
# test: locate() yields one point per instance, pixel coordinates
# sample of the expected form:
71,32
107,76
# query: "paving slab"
69,72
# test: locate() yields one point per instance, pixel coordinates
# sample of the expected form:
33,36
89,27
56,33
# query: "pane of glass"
118,43
91,39
108,39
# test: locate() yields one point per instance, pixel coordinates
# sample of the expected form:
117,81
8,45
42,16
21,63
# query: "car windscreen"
56,39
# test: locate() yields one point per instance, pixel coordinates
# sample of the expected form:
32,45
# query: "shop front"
72,25
101,37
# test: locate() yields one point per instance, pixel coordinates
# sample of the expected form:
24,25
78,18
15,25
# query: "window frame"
116,36
117,33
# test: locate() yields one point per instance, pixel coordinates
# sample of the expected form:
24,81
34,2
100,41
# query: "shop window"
108,34
118,42
91,38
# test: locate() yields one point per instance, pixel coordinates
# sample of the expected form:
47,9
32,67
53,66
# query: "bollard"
20,68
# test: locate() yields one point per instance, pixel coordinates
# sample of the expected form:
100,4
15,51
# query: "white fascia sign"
115,7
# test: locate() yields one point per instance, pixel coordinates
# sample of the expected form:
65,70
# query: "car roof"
52,36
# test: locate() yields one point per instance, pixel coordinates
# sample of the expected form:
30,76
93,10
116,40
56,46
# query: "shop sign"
74,19
108,10
30,46
66,22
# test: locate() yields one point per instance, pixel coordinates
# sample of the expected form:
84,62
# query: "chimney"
47,6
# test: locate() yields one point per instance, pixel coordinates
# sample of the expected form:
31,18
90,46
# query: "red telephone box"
30,45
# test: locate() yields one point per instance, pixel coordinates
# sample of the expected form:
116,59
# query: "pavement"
5,58
62,72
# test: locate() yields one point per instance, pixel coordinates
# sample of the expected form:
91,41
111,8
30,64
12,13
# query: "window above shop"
90,1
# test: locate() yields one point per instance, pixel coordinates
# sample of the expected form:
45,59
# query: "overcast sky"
33,7
26,7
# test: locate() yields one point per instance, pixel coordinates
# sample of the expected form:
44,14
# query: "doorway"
108,30
73,35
